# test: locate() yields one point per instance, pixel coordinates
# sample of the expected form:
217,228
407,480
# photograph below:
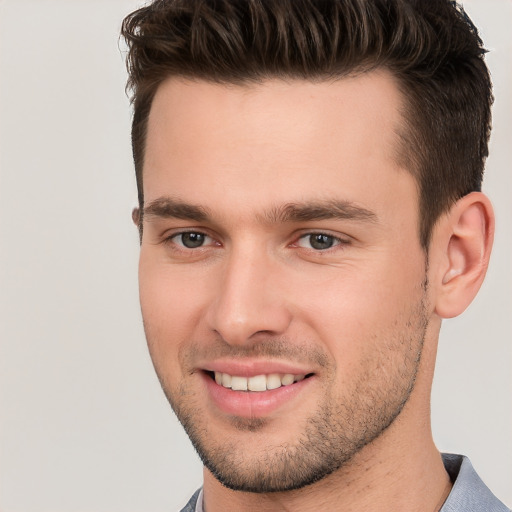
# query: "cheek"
355,311
171,309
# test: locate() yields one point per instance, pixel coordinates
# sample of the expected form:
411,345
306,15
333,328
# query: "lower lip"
253,404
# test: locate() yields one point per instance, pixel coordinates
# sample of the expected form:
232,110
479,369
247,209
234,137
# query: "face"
282,281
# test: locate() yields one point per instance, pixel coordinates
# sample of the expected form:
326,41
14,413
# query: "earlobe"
465,240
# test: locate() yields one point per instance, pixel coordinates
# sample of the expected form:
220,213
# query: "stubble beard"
339,428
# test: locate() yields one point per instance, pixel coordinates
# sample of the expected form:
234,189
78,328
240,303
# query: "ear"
461,246
136,216
137,220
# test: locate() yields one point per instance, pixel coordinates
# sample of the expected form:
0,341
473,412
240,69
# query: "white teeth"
273,381
238,383
226,380
287,379
256,383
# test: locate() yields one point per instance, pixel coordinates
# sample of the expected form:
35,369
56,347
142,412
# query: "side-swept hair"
430,46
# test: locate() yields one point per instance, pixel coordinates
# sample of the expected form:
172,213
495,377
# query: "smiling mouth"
264,382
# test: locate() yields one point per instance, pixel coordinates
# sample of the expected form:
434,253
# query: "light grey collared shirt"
468,494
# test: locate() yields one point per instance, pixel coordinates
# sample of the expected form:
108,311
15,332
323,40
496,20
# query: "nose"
249,299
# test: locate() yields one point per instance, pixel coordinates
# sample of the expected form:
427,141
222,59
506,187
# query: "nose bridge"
248,299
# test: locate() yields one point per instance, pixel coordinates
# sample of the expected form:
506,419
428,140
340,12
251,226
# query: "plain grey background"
83,423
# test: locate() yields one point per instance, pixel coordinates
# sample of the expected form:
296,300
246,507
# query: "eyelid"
169,237
339,240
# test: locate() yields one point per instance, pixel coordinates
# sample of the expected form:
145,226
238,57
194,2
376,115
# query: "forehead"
279,138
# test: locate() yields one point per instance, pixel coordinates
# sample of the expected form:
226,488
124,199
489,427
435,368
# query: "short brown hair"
430,46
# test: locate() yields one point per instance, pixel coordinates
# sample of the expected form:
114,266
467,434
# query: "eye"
318,241
191,239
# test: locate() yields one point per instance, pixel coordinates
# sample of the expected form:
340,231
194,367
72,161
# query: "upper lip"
251,368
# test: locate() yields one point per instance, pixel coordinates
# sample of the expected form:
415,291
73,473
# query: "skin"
361,317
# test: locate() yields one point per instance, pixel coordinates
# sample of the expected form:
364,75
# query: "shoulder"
469,493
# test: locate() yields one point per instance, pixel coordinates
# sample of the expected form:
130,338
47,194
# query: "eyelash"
171,240
336,242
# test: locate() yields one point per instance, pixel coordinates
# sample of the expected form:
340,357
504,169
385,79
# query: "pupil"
321,241
192,240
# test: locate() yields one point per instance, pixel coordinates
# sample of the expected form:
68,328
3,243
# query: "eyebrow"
167,207
320,210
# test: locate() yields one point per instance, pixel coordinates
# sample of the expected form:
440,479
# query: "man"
309,180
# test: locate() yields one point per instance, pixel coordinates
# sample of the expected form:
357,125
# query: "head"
295,162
